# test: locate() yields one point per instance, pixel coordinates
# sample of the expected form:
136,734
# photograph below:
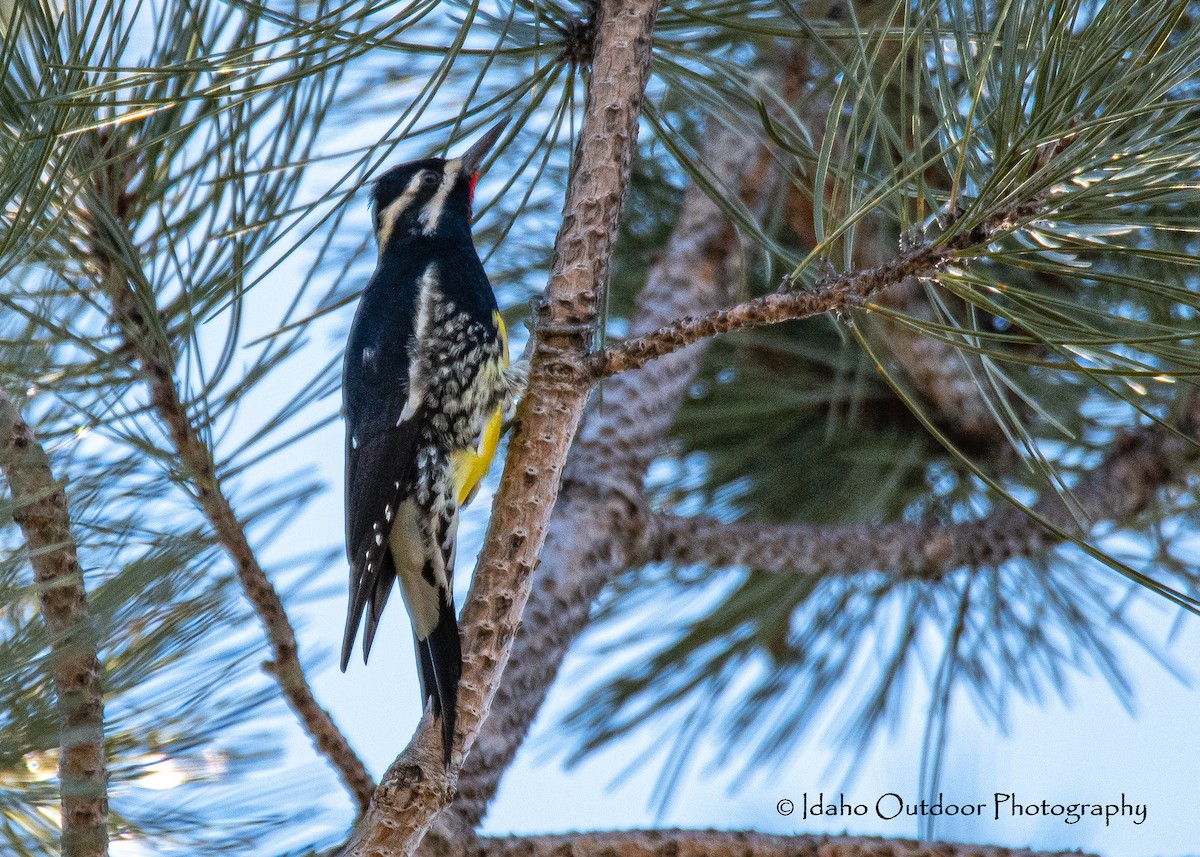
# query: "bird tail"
424,560
439,657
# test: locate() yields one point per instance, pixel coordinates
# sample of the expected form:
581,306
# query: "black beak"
473,157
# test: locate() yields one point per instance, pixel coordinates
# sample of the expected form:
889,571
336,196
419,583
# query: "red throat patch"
474,180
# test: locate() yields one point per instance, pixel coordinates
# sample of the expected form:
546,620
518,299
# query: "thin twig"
40,509
833,294
157,361
285,664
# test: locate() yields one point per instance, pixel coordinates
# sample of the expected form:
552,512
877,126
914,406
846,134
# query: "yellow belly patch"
469,466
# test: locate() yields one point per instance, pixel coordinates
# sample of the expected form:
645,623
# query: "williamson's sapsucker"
426,384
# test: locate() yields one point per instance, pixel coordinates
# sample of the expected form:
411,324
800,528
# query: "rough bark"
110,242
728,843
416,786
596,524
40,510
1118,489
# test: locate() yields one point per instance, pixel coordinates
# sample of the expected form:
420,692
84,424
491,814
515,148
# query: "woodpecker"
426,385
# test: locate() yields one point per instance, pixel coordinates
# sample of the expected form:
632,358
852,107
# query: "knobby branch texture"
731,843
832,294
111,242
40,510
416,786
1118,489
597,520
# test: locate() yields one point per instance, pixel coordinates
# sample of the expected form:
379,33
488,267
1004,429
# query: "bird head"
430,197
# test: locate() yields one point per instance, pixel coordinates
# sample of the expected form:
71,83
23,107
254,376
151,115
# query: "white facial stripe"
389,216
431,214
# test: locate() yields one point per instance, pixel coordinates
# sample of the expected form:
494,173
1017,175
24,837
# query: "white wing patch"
425,312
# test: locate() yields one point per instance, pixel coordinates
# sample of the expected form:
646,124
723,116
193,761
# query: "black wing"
380,443
376,473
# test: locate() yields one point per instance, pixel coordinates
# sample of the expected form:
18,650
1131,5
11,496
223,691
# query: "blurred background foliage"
208,151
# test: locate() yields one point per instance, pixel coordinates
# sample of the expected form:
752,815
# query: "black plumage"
426,381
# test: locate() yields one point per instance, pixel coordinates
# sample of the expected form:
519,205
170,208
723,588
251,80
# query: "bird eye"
429,177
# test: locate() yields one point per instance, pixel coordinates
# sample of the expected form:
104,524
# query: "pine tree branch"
597,521
833,294
732,843
40,509
1117,490
110,243
417,786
